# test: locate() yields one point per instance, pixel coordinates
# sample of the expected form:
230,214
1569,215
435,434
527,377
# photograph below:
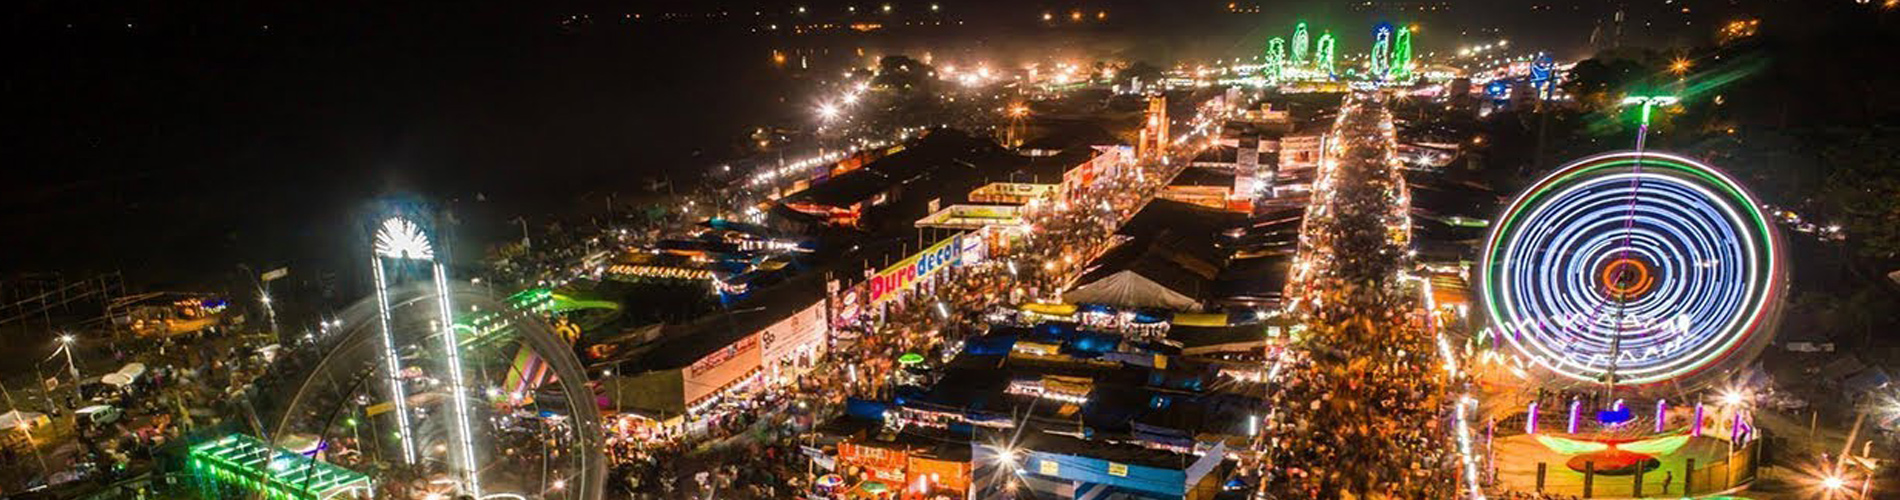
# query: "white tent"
1130,289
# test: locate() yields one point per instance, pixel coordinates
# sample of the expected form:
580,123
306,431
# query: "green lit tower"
1299,46
1323,54
1402,55
1381,61
1276,59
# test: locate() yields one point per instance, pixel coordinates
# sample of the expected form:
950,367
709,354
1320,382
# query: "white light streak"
398,238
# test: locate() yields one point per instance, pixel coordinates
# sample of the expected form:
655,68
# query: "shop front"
793,345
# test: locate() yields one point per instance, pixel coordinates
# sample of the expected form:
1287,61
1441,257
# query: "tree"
1862,189
903,74
1138,69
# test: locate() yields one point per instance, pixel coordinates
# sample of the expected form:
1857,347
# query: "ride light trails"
1704,262
458,389
393,363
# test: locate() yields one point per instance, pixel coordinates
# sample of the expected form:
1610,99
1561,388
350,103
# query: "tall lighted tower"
1154,131
1323,54
1275,68
1381,51
1402,55
404,252
1300,44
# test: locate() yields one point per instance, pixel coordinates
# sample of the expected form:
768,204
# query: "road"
1360,401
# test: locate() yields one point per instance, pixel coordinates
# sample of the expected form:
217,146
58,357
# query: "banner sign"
901,276
805,329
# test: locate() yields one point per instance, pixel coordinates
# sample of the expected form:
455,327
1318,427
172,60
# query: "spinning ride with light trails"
1639,270
436,390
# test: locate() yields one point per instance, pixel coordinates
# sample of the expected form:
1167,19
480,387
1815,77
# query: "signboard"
1299,151
973,216
975,246
1010,192
1117,470
899,277
1246,167
1049,467
721,368
804,329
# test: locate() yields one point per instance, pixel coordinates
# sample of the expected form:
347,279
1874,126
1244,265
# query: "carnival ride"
531,420
1633,269
1627,290
428,389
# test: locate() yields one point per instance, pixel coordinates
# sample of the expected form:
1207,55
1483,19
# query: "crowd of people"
1362,406
768,426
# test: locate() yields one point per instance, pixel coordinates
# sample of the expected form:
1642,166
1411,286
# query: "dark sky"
168,139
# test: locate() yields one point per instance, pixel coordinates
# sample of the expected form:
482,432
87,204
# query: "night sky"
172,140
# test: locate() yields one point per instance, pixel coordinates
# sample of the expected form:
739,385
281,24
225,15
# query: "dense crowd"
1361,407
699,463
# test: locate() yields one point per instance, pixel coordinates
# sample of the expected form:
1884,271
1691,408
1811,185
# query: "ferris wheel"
527,426
1635,269
430,390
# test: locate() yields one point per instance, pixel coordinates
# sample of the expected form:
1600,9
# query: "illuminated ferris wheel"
1635,269
435,390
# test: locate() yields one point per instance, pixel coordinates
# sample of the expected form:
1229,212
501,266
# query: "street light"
1680,66
66,346
1648,102
827,111
1733,397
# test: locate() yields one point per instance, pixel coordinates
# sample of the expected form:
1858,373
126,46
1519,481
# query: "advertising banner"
804,329
906,273
721,368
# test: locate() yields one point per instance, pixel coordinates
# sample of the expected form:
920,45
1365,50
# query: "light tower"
1381,51
1275,68
1300,46
1154,132
404,251
1013,136
1323,54
1402,55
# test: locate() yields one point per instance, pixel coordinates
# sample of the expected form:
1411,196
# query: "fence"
1675,476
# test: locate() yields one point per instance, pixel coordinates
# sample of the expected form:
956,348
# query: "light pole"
1642,136
66,341
1647,103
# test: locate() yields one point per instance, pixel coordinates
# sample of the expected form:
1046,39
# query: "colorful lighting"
1530,421
1323,54
458,388
1576,407
1381,50
1300,45
1696,428
246,462
1703,240
1401,67
1662,414
1275,68
392,363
